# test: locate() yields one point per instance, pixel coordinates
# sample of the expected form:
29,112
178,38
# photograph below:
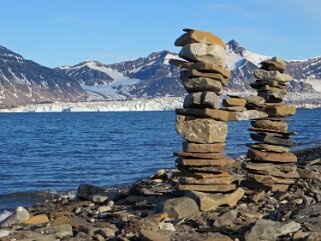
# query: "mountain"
24,81
153,77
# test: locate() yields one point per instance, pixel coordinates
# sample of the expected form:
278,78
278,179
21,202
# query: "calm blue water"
58,151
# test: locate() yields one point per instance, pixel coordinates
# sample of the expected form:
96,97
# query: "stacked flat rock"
272,166
203,163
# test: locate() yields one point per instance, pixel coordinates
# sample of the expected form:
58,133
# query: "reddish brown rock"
271,156
273,125
201,66
37,219
208,188
207,181
214,114
265,179
203,148
280,110
229,101
217,155
197,36
205,162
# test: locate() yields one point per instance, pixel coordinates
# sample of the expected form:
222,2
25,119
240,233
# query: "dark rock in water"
272,140
183,207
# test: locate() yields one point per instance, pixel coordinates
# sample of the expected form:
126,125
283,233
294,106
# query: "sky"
67,32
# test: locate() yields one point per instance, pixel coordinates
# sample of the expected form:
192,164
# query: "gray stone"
59,231
202,100
210,54
86,190
255,100
19,216
104,197
272,140
272,75
182,207
201,130
202,84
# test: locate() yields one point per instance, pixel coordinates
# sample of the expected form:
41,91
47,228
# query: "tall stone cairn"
203,163
271,165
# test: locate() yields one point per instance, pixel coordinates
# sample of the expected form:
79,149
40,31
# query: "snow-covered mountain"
24,81
153,77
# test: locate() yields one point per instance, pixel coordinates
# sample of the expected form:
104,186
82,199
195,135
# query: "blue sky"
66,32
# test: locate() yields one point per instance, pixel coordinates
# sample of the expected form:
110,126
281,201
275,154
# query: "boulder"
234,102
202,100
272,75
209,201
203,148
264,156
86,190
197,36
201,130
219,115
18,217
200,66
179,208
210,54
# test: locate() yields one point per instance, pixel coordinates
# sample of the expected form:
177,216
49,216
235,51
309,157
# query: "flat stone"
264,179
281,90
202,84
219,115
273,125
202,100
193,73
266,187
276,133
210,54
271,156
272,97
197,36
207,188
37,219
235,108
207,181
60,231
201,130
246,115
233,102
203,148
269,167
280,110
202,175
271,83
268,147
272,75
201,66
205,169
308,174
276,63
205,162
183,207
272,140
215,155
255,100
75,222
210,202
19,216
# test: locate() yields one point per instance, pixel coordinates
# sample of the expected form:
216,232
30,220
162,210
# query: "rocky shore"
154,209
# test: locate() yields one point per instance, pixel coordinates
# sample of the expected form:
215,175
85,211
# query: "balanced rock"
193,73
202,84
268,147
220,115
272,75
215,155
273,125
202,100
203,148
209,201
204,162
197,36
272,140
208,188
265,179
255,100
264,156
201,66
280,110
271,97
201,130
207,181
282,167
235,108
234,102
210,54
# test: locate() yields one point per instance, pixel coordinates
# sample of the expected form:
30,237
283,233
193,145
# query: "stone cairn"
271,166
203,163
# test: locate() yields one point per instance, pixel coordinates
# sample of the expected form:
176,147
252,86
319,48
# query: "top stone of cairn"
197,36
